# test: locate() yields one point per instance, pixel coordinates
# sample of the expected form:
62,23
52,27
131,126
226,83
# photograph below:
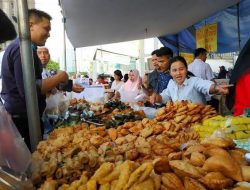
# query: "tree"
52,65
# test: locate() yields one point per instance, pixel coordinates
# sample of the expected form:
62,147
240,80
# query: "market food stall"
112,146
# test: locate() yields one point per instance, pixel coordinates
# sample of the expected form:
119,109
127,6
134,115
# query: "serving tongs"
91,122
10,180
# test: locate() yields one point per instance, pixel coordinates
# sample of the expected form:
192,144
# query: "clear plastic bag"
14,153
57,104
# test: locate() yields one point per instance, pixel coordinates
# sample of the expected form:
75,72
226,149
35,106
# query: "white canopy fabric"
96,22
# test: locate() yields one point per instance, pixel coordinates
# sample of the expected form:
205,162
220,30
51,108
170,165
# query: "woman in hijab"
239,97
131,89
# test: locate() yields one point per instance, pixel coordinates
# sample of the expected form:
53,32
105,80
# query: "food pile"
164,153
185,113
237,128
212,164
71,150
111,114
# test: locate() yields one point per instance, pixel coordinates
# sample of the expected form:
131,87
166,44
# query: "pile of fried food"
185,113
71,150
75,101
212,164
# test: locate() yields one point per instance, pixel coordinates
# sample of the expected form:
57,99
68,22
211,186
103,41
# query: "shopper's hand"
152,99
77,88
63,76
223,89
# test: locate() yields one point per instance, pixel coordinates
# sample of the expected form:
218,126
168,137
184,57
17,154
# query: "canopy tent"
233,30
95,22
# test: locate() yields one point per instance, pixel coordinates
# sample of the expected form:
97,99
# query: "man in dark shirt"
153,76
12,75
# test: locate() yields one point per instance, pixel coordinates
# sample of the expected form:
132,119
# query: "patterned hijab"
133,85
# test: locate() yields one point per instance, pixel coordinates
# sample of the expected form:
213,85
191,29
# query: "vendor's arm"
52,82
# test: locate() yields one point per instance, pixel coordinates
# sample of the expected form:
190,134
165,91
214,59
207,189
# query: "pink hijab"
133,85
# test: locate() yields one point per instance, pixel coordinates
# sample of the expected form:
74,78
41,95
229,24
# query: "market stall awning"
232,32
95,22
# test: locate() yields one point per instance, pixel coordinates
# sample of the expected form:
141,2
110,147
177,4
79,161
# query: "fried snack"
246,173
92,185
192,184
131,154
178,119
163,188
112,133
96,140
160,111
226,165
195,148
238,157
140,174
175,156
148,184
161,165
127,168
112,176
105,186
49,184
130,138
157,181
64,187
103,171
158,129
145,121
216,180
171,181
197,159
223,142
147,131
113,185
184,169
217,151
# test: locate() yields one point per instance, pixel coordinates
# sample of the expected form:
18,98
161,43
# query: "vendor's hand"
77,88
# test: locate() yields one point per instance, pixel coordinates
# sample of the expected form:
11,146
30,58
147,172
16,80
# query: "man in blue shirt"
164,54
12,75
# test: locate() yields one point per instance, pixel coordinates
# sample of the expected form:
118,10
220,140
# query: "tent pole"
28,74
75,59
64,44
177,45
238,25
141,58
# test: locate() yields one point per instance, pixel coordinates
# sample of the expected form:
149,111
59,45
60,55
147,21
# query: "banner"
206,37
189,57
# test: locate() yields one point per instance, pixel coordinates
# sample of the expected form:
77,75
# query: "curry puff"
216,180
226,165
